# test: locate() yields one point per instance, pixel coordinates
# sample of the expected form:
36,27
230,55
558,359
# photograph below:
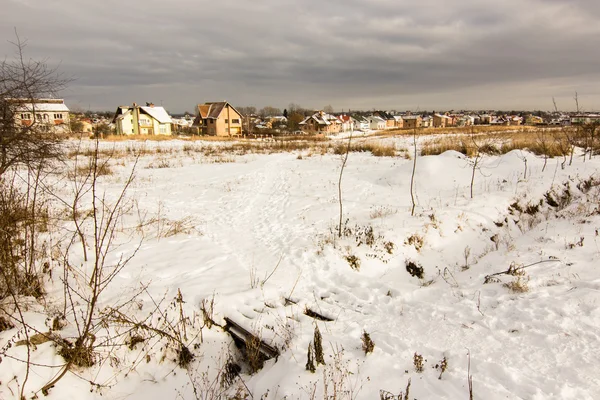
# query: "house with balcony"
44,115
142,120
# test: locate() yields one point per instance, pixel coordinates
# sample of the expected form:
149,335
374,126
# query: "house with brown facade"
412,121
218,119
390,121
441,121
321,122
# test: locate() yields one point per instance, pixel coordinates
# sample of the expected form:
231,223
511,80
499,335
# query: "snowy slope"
275,216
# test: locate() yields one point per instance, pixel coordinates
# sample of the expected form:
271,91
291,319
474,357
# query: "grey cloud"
348,53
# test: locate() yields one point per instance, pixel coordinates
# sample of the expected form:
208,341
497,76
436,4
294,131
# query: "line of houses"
223,119
321,122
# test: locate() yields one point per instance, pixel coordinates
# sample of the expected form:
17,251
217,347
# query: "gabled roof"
121,116
42,107
384,115
322,119
213,110
158,113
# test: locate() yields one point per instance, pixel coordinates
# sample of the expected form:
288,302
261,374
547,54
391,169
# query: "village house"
390,121
321,122
376,123
142,120
466,120
360,123
585,119
86,125
427,122
399,122
412,121
47,115
347,123
218,119
441,121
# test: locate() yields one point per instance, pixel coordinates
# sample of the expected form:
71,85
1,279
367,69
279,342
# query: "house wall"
412,123
439,122
125,126
49,121
225,125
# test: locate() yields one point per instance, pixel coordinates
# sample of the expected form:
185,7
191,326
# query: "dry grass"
82,170
519,285
462,130
122,138
551,143
375,148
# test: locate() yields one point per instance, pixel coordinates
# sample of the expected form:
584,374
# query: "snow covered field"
258,233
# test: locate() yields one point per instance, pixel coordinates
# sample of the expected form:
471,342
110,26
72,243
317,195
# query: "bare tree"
22,81
344,160
412,176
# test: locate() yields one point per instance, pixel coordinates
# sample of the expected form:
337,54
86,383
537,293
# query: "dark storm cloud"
348,53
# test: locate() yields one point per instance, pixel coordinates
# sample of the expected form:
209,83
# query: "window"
226,121
235,121
163,128
132,130
57,116
25,116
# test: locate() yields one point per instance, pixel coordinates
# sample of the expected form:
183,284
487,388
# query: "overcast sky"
357,54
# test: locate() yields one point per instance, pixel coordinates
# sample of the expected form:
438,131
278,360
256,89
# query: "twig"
512,268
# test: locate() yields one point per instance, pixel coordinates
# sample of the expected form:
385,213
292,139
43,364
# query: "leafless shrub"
415,240
414,269
367,343
381,212
385,395
442,366
418,362
318,345
310,359
519,285
353,261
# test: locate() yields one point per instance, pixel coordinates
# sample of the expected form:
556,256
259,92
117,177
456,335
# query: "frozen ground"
263,228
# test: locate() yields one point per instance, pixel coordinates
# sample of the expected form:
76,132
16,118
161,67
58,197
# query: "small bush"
81,356
367,343
310,362
415,240
442,366
414,269
318,344
520,285
418,362
353,261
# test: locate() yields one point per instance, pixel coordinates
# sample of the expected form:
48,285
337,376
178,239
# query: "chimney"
149,104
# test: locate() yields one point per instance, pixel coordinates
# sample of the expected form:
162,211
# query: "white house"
361,124
376,123
49,115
